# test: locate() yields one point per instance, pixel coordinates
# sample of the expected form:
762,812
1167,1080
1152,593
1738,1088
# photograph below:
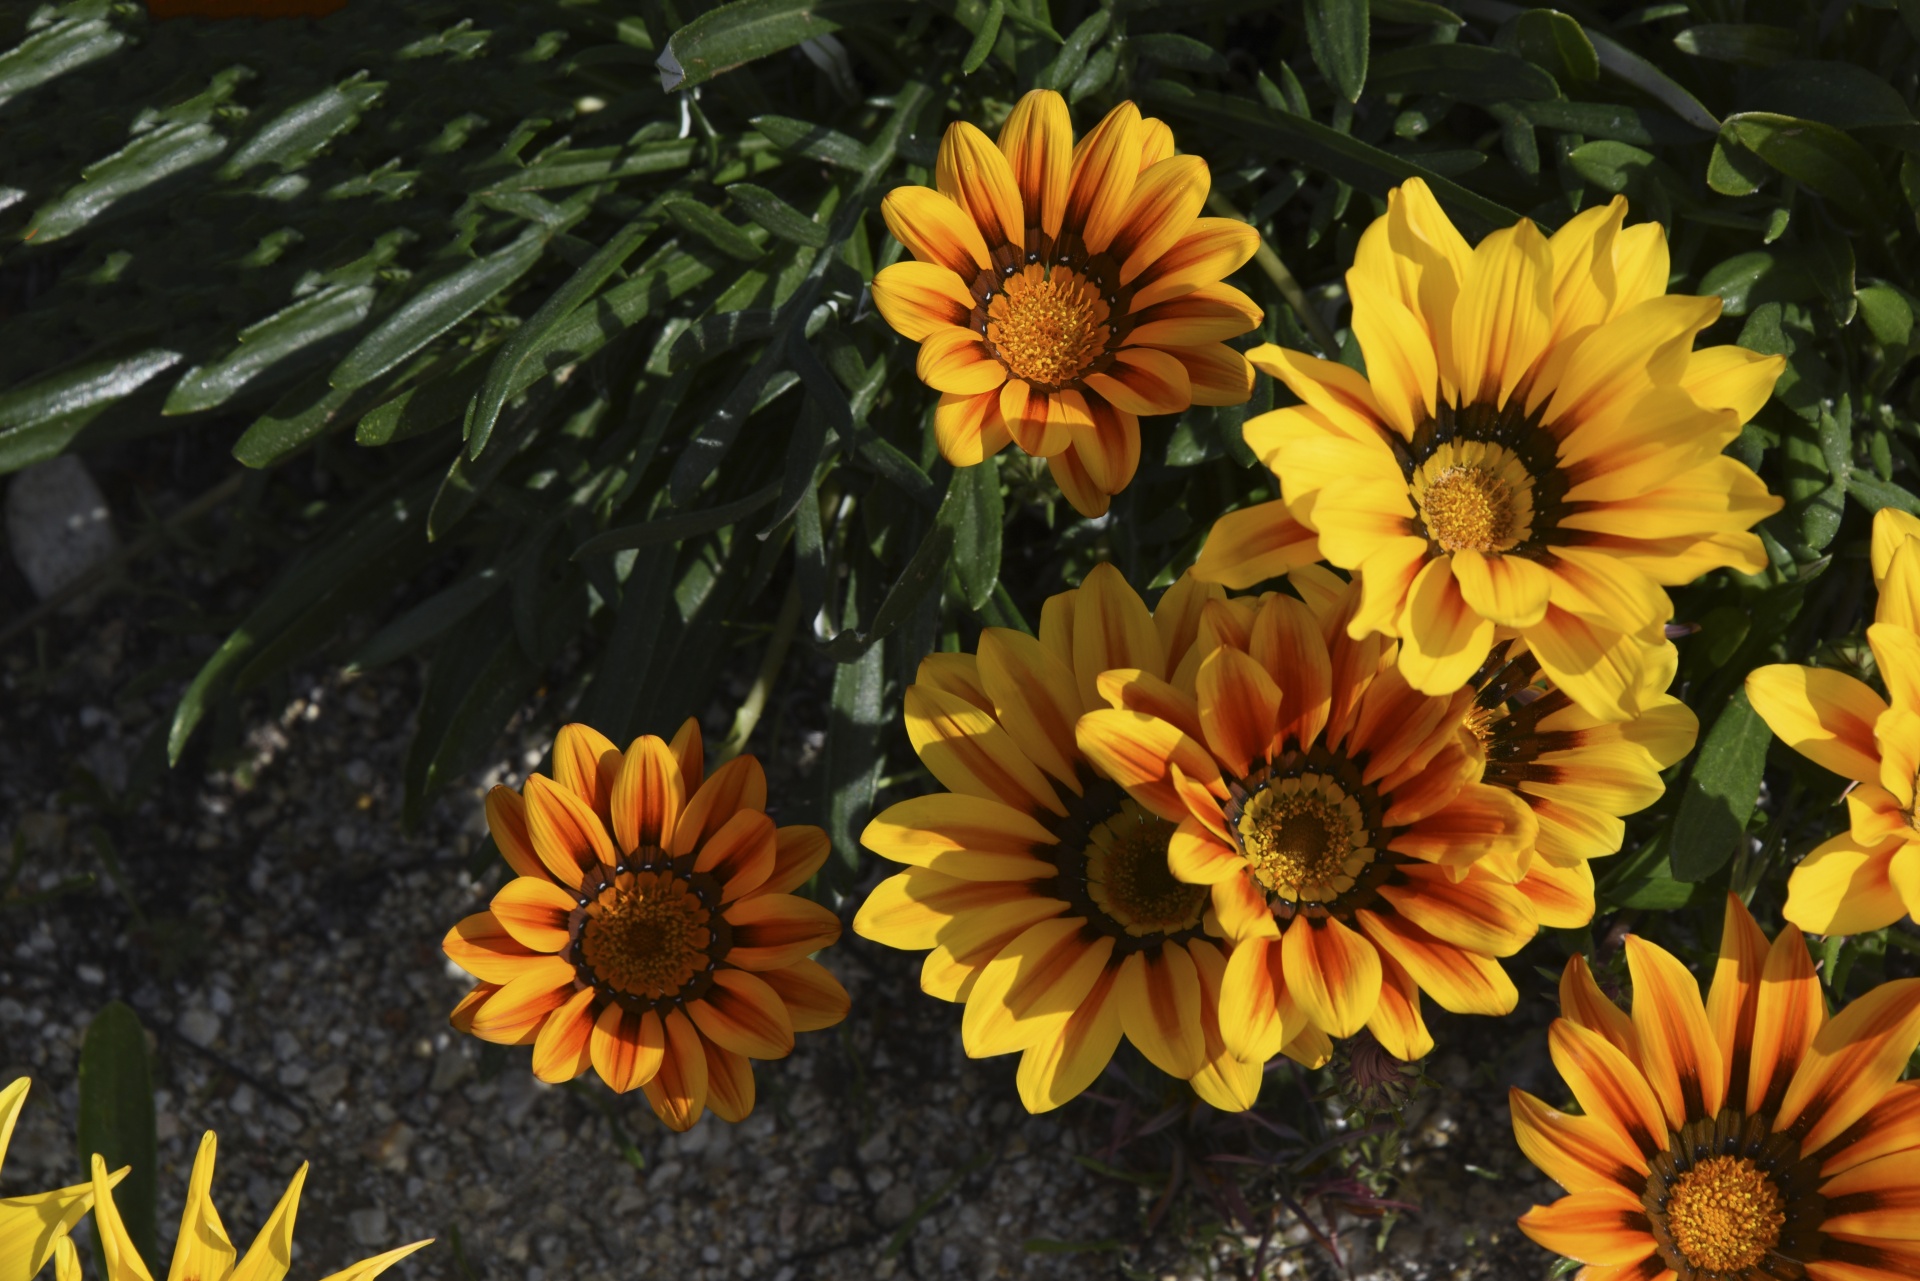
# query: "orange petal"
740,784
740,854
1582,1001
534,911
1288,643
969,429
1824,715
1144,380
970,753
649,793
507,822
1478,915
1854,1061
1600,1225
688,749
1034,698
1891,1125
1060,1065
1030,989
1038,143
1254,544
959,362
1397,1023
1734,995
1333,973
935,230
1788,1016
1166,199
814,998
918,298
745,1015
1158,992
567,835
1111,628
1681,1059
678,1091
1504,316
730,1091
560,1052
1211,250
482,947
1132,690
1457,980
1251,1024
1442,639
1580,1153
627,1048
585,762
1106,164
800,849
962,836
1239,709
775,930
520,1007
973,173
1609,1086
1139,752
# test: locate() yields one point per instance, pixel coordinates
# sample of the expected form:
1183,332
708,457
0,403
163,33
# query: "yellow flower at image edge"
1058,292
1041,890
1749,1137
33,1227
1868,877
649,933
1534,450
203,1251
1353,856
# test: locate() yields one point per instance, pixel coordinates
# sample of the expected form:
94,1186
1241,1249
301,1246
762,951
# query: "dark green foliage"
571,295
116,1117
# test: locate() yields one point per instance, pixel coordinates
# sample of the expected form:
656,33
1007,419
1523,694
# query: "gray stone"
199,1025
58,525
368,1227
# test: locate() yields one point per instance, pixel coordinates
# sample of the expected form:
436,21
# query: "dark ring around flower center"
1732,1200
1254,798
601,882
1514,430
1101,803
1099,271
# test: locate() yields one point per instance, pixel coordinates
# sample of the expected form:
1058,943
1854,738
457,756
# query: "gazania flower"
33,1227
1869,876
649,933
1042,888
204,1252
1354,856
1535,449
1577,773
1749,1138
1058,292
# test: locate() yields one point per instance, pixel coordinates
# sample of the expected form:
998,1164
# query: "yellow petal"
1038,143
1824,715
1504,315
202,1251
973,173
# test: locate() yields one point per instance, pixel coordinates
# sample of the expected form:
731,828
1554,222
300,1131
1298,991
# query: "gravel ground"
278,932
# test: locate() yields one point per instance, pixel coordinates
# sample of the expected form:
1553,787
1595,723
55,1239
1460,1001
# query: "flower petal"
627,1048
678,1091
1580,1153
1504,316
1443,640
959,362
740,855
533,911
562,1051
566,834
1159,998
973,173
742,1013
1211,250
649,793
1333,972
1030,989
1681,1060
1788,1016
1825,715
1144,380
1254,544
918,298
1608,1085
1106,164
1853,1062
1844,887
935,230
1166,199
1600,1225
814,998
1034,697
1037,141
1055,1069
1458,981
969,429
775,930
970,753
1510,590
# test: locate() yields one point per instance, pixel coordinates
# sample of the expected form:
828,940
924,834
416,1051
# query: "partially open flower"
1750,1137
1867,877
1353,854
1058,292
649,934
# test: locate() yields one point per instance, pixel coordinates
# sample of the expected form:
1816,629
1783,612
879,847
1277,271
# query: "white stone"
58,525
199,1025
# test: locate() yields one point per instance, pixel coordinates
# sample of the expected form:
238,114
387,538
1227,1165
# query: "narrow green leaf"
1875,494
1818,157
703,222
1422,12
604,164
983,40
436,308
851,756
816,142
777,216
476,686
116,1116
313,319
679,527
738,33
504,373
306,411
1337,38
713,336
1059,73
973,510
1749,44
303,130
148,160
427,621
1720,792
1840,94
1177,50
1610,121
89,386
1551,39
54,51
1470,72
1618,60
922,574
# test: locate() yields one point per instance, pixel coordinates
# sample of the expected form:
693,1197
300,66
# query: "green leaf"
116,1116
71,391
1337,37
1744,281
777,216
1343,157
1720,792
1874,494
1059,73
983,40
436,308
1749,44
1732,170
1470,72
60,48
1888,314
1417,11
306,411
1551,39
1612,166
503,375
1840,94
480,678
1616,59
1610,121
851,757
319,316
738,33
922,574
973,510
816,142
1818,157
703,222
677,528
303,130
427,621
1179,51
149,159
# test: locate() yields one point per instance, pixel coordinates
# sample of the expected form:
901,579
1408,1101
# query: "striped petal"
627,1048
1853,1062
649,793
586,762
563,1049
970,753
1037,141
918,298
744,1014
1609,1086
973,173
1055,1069
1580,1153
1030,989
1824,715
935,230
1333,972
962,836
1601,1225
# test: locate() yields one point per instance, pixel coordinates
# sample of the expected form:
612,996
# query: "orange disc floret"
649,932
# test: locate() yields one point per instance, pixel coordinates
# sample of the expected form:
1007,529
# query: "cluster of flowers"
1237,826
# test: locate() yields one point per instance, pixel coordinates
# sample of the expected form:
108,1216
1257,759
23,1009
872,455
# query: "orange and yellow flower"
1749,1137
203,1251
1580,775
649,932
1535,450
1868,877
1058,292
1355,859
1040,887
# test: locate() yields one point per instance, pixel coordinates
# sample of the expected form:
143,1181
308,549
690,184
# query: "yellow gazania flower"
649,933
1746,1138
1041,888
33,1227
1577,773
204,1252
1869,876
1535,449
1059,292
1354,856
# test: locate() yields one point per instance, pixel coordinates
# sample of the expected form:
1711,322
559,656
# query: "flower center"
1305,838
646,934
1474,495
1048,324
1725,1214
1128,877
